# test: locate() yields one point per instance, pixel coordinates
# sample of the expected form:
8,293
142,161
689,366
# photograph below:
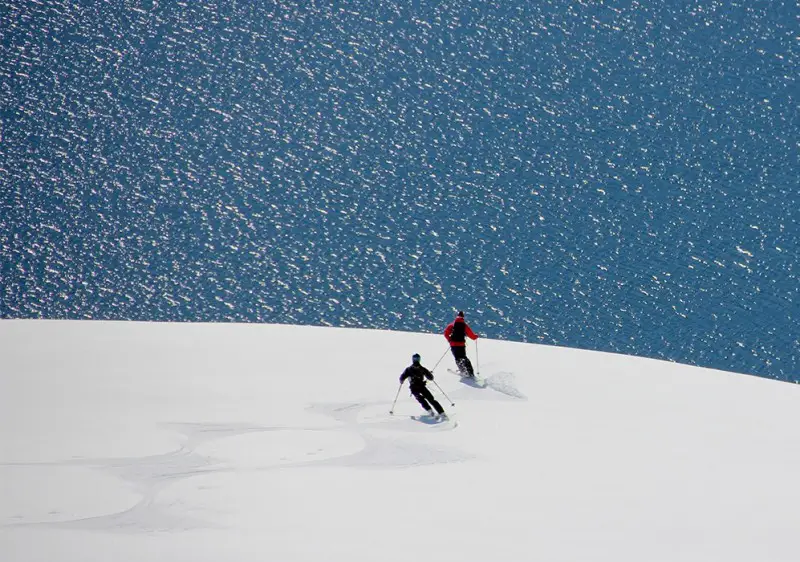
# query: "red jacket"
455,334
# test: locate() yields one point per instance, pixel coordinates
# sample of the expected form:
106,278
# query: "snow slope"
210,442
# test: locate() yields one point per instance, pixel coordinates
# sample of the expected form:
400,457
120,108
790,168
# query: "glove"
430,377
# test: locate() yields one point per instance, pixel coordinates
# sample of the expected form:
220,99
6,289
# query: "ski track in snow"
501,382
384,441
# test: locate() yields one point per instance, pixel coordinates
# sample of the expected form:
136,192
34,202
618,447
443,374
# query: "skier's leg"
468,366
463,362
460,354
454,350
419,394
435,403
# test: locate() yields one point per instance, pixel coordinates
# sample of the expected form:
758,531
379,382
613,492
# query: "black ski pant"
425,398
462,361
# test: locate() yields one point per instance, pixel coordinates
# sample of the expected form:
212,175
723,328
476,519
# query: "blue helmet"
415,358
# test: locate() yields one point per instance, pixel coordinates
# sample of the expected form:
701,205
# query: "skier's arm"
470,334
428,375
448,331
404,376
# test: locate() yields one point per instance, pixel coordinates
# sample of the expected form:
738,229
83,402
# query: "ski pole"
440,359
395,398
477,359
443,393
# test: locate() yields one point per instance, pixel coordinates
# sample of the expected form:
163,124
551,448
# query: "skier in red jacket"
456,334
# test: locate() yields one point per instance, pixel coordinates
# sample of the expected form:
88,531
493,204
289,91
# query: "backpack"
459,332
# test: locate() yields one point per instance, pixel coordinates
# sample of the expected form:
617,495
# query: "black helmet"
415,358
461,313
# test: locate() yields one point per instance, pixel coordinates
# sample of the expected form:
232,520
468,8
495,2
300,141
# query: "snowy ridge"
143,441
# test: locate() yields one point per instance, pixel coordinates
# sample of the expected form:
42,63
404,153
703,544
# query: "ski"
473,381
446,421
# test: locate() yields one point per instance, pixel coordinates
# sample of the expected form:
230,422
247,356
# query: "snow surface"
125,441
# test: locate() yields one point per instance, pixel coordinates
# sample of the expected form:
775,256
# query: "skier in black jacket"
417,375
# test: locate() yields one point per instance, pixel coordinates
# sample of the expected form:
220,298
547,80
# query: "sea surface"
619,176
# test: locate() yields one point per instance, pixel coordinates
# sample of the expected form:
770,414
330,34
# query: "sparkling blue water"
619,176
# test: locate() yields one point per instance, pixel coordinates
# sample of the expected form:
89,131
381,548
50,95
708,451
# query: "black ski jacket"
416,375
